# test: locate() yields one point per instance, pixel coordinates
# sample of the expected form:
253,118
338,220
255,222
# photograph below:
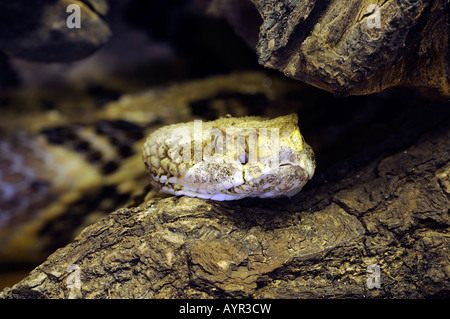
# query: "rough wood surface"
348,47
390,210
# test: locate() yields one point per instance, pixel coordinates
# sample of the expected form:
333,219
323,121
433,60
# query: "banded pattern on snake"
61,170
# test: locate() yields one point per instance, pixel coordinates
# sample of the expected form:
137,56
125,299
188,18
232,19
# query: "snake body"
230,158
63,168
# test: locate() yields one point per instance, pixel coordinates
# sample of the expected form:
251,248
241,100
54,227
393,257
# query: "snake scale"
62,169
230,158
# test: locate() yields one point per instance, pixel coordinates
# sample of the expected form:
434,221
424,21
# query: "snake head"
230,158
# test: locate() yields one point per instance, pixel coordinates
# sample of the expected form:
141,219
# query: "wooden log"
374,227
348,47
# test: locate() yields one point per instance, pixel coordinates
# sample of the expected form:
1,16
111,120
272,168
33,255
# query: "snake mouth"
304,164
285,164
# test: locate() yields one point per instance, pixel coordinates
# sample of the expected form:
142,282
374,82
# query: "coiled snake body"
61,170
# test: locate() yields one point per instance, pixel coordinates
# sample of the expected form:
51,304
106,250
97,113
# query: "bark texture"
390,210
348,47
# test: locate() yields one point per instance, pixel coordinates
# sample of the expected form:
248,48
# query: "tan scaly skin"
230,158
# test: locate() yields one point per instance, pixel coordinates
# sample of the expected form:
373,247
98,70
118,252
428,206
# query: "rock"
349,47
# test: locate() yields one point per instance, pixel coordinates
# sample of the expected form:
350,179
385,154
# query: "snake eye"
243,159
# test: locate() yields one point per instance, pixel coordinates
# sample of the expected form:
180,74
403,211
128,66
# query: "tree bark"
349,47
377,226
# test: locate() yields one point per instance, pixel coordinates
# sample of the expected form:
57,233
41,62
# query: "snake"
230,158
66,163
